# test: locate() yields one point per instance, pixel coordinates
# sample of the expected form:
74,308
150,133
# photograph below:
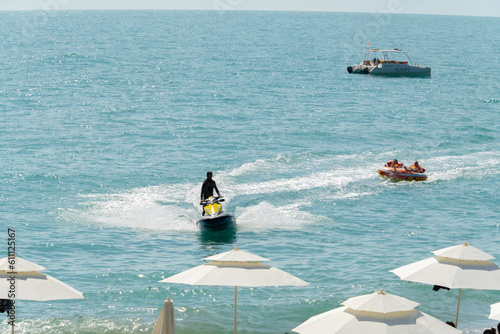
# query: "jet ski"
401,173
215,219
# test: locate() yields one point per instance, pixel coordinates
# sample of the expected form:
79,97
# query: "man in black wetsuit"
207,189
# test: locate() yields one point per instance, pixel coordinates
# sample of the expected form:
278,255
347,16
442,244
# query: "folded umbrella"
165,323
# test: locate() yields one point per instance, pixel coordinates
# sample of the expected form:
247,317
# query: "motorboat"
389,63
401,173
214,218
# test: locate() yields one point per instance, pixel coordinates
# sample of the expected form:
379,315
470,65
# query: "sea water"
111,119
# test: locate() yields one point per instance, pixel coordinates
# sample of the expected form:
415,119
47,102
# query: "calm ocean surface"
110,120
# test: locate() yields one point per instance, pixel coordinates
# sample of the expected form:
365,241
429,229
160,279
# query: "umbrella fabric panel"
20,265
426,271
328,322
236,255
235,274
464,252
495,311
191,276
381,302
36,286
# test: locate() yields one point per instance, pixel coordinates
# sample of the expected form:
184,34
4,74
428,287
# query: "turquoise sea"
110,120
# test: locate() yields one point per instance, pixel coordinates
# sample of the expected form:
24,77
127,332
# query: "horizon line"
240,10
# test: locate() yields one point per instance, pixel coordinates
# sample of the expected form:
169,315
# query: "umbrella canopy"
495,312
30,284
165,323
235,274
377,313
36,286
456,267
235,268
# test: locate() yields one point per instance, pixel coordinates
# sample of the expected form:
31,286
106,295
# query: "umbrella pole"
235,303
12,308
458,307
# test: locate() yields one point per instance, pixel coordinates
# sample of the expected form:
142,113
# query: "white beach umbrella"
457,267
495,312
235,268
165,323
19,265
22,280
377,313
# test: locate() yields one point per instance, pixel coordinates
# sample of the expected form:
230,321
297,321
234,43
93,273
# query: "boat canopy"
389,56
380,50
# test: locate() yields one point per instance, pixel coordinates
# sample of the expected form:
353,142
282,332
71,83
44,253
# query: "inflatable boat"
401,174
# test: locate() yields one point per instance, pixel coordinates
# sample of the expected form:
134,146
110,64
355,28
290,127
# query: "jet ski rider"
207,189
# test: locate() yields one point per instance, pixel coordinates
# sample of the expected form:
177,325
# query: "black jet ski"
215,219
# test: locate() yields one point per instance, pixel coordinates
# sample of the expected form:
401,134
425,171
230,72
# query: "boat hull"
216,223
391,70
401,175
